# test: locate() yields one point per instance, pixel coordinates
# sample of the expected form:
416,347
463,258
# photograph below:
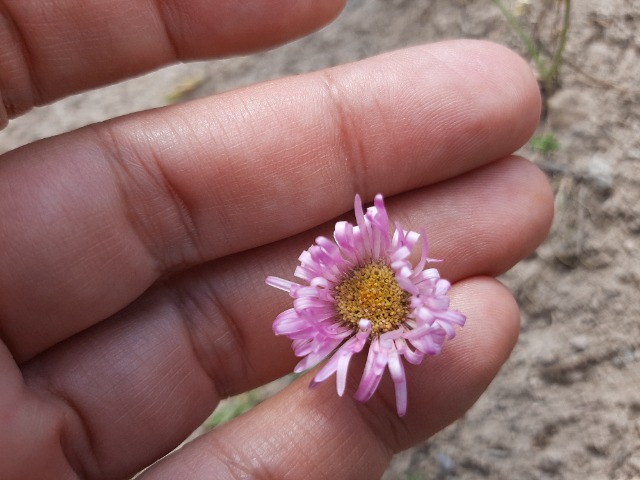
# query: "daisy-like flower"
362,293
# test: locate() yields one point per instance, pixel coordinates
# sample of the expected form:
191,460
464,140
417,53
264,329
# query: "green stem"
564,36
530,44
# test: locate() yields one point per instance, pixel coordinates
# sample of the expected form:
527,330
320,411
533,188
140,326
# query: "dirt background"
567,403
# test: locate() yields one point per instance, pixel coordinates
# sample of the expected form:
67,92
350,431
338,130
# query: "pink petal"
396,369
280,283
373,370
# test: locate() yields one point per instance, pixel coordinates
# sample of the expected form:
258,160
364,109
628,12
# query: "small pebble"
447,465
579,343
600,174
634,462
550,463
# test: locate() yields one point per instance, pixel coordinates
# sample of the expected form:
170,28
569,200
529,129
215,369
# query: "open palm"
133,253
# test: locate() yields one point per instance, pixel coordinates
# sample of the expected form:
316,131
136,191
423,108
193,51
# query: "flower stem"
564,36
548,71
532,47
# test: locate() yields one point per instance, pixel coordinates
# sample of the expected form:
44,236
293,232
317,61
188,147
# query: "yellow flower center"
372,292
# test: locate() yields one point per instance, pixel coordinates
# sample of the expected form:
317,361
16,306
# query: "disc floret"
372,292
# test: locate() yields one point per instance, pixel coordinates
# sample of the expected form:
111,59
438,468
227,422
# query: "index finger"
52,49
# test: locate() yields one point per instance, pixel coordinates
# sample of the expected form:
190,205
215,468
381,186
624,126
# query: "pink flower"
362,291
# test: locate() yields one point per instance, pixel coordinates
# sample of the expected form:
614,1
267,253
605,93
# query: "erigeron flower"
361,293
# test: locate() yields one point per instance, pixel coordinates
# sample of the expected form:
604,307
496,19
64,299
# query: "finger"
52,49
311,434
96,216
207,334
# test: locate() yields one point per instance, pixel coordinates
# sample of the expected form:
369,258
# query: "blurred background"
567,403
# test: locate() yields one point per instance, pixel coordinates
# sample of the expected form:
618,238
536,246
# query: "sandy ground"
567,403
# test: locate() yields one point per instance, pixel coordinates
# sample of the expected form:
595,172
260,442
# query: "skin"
132,295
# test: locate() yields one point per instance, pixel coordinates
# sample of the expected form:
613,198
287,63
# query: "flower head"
362,293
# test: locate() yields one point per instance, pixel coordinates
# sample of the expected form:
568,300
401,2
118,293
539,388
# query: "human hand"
134,252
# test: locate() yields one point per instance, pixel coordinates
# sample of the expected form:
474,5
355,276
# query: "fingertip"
492,327
517,193
493,63
497,81
540,198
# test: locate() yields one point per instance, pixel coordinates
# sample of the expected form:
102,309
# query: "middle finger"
94,217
